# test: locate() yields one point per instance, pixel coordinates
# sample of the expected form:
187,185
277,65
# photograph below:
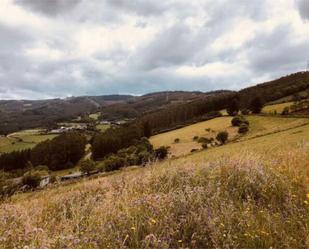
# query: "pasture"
259,126
276,108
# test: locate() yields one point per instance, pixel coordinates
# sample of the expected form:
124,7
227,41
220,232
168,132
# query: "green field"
251,193
22,140
102,127
95,116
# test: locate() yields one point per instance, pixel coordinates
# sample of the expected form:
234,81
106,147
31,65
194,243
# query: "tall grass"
246,201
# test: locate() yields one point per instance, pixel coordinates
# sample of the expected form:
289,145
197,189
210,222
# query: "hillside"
16,115
248,194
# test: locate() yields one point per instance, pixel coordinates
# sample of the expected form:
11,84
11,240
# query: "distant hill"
21,114
152,102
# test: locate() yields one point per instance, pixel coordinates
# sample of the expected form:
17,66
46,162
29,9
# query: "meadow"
23,140
259,126
276,108
250,193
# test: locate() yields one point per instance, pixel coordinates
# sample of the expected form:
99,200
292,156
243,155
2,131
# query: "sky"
61,48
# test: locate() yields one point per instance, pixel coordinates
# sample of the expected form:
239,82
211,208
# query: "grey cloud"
49,7
172,46
303,6
277,52
140,7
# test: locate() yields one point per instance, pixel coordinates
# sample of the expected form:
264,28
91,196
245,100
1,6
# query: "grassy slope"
29,139
186,135
276,108
259,125
247,194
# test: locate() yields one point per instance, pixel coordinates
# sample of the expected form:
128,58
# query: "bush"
87,166
205,145
244,128
194,150
222,137
195,138
285,111
237,121
32,180
113,163
161,153
177,140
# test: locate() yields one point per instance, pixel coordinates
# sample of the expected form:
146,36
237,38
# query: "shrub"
237,121
244,128
195,138
113,162
87,166
161,153
205,145
285,111
222,137
194,150
32,180
177,140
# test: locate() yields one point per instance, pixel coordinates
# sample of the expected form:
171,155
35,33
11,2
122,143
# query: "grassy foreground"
250,194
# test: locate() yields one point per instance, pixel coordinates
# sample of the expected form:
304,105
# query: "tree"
256,105
222,137
87,166
147,129
233,108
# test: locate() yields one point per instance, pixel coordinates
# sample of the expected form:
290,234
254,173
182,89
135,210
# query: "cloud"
51,8
76,47
303,6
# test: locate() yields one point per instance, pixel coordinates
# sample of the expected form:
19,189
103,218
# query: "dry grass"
276,108
259,126
242,197
187,133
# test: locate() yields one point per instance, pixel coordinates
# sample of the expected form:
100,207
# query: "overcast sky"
59,48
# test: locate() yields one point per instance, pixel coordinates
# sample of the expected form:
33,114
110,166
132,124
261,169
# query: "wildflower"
180,241
153,221
307,195
133,228
306,202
